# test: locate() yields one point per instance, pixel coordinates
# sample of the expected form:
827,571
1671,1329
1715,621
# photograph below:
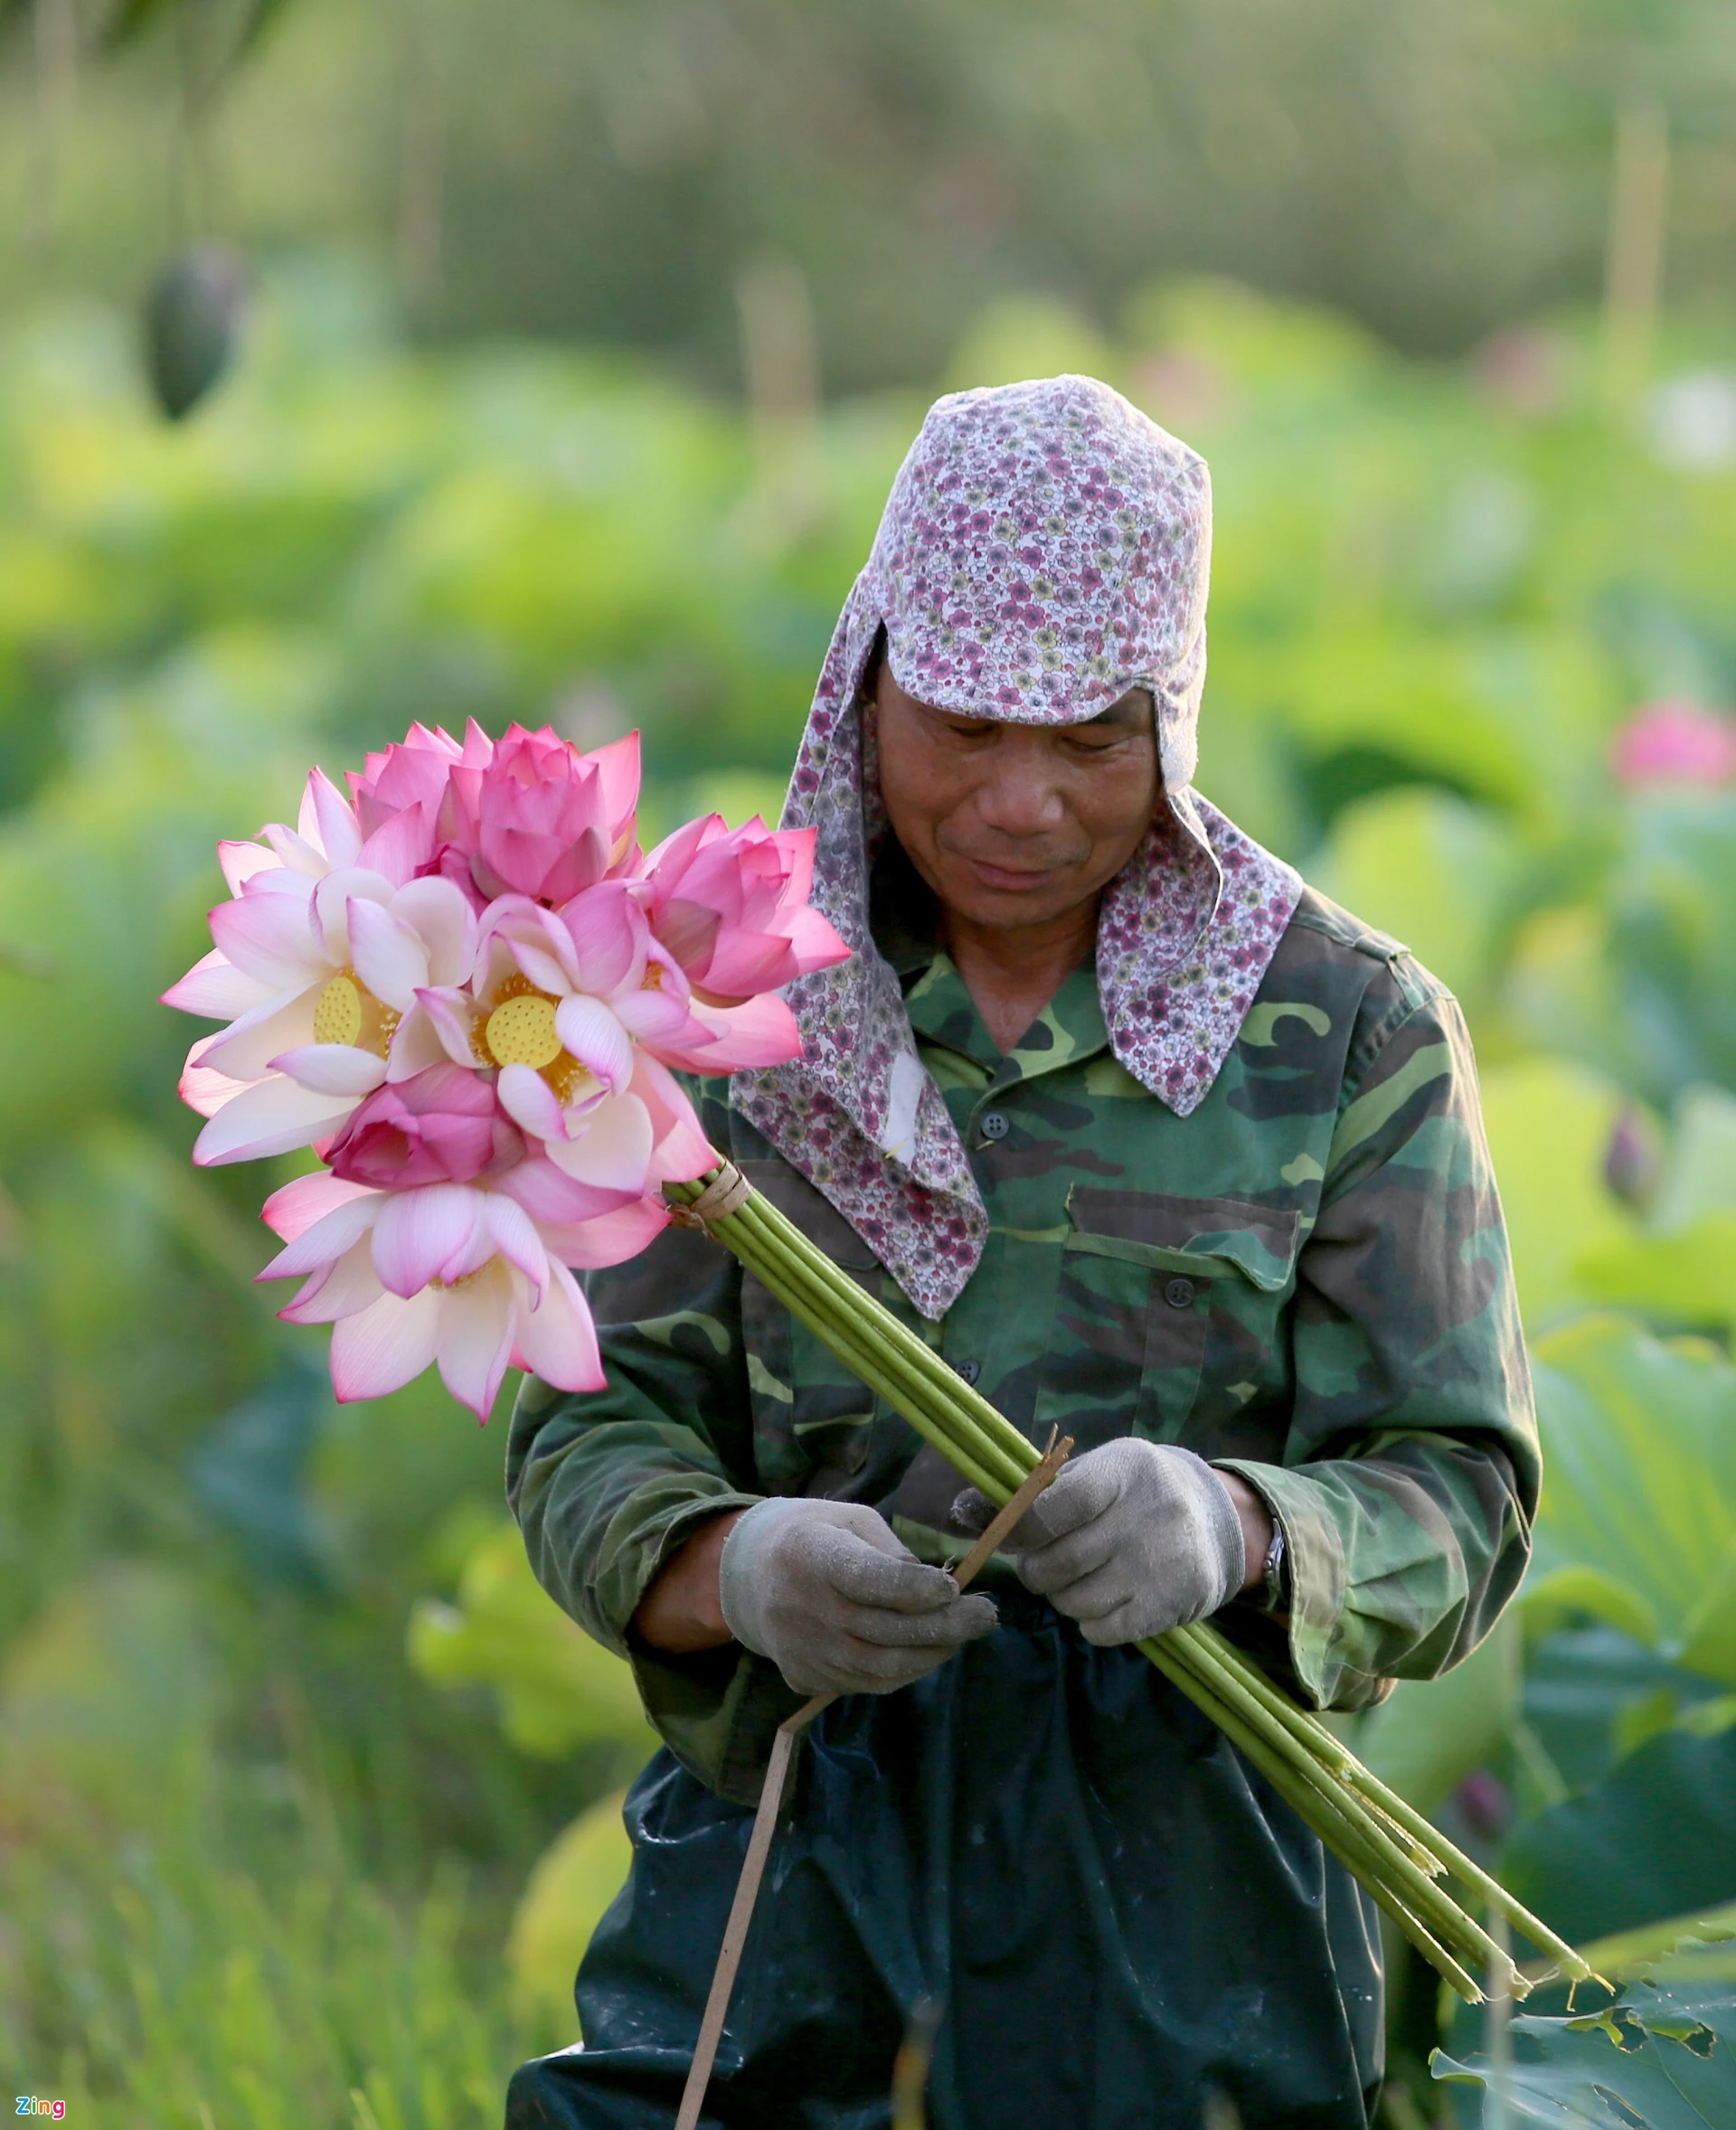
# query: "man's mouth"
1012,878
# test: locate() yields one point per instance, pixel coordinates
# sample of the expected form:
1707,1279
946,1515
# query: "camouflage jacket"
1306,1281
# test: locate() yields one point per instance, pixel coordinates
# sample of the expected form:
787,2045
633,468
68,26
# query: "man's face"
1014,825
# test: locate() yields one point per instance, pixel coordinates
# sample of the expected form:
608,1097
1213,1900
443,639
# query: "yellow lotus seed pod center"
338,1012
521,1032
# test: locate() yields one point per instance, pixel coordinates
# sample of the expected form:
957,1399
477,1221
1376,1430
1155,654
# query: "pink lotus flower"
540,818
448,1273
731,904
1677,741
395,841
439,1126
322,977
413,774
578,1008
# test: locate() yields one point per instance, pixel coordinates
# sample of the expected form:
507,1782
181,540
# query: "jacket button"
995,1124
968,1369
1179,1294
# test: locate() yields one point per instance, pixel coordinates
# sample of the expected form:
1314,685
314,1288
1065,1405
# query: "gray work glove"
1131,1540
837,1602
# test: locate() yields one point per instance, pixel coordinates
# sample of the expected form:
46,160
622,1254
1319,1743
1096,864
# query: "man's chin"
999,908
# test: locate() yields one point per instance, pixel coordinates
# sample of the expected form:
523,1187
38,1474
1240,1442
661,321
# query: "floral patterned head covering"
1046,549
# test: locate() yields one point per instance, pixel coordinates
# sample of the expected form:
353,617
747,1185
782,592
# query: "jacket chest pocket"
812,1418
1145,1277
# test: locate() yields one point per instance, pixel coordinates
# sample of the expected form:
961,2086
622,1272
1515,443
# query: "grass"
153,1992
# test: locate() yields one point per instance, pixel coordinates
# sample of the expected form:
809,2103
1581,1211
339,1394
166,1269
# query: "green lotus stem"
980,1417
1419,1830
1361,1854
1471,1873
1395,1852
929,1397
1331,1800
796,1284
1431,1850
1231,1683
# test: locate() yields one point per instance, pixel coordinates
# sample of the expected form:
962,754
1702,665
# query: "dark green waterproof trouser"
1115,1916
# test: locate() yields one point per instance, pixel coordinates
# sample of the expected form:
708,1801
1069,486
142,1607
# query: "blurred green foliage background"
582,344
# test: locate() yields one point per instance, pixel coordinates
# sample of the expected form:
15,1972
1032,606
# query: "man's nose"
1019,794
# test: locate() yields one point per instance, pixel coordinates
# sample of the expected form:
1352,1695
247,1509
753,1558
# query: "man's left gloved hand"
1131,1540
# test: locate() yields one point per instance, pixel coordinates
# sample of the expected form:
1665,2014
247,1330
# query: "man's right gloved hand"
837,1602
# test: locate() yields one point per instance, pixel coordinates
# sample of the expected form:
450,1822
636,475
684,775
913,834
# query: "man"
1159,1146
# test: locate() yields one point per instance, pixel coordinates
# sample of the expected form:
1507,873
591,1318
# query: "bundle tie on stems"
1400,1858
783,1747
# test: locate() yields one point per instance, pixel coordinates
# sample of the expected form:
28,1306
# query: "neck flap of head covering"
1046,549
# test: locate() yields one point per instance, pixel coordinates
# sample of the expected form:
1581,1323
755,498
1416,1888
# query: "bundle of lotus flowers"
463,985
1399,1856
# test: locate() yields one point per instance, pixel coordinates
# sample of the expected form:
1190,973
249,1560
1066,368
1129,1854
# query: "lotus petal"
743,964
610,1237
332,900
292,1211
245,1049
384,1347
662,1021
420,1233
512,1233
339,1228
241,861
554,1201
610,938
343,1288
681,1150
272,1115
541,952
618,767
402,845
419,1043
452,1011
271,937
672,857
387,956
476,1337
328,821
612,1150
531,1102
202,1087
438,913
559,1340
332,1067
593,1034
759,1032
293,854
216,990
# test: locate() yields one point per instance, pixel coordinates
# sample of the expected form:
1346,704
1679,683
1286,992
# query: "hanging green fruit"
195,315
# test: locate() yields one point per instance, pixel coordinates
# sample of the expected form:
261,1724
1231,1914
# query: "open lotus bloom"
466,989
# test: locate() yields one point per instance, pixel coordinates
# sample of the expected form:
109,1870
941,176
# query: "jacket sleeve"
606,1483
1410,1477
